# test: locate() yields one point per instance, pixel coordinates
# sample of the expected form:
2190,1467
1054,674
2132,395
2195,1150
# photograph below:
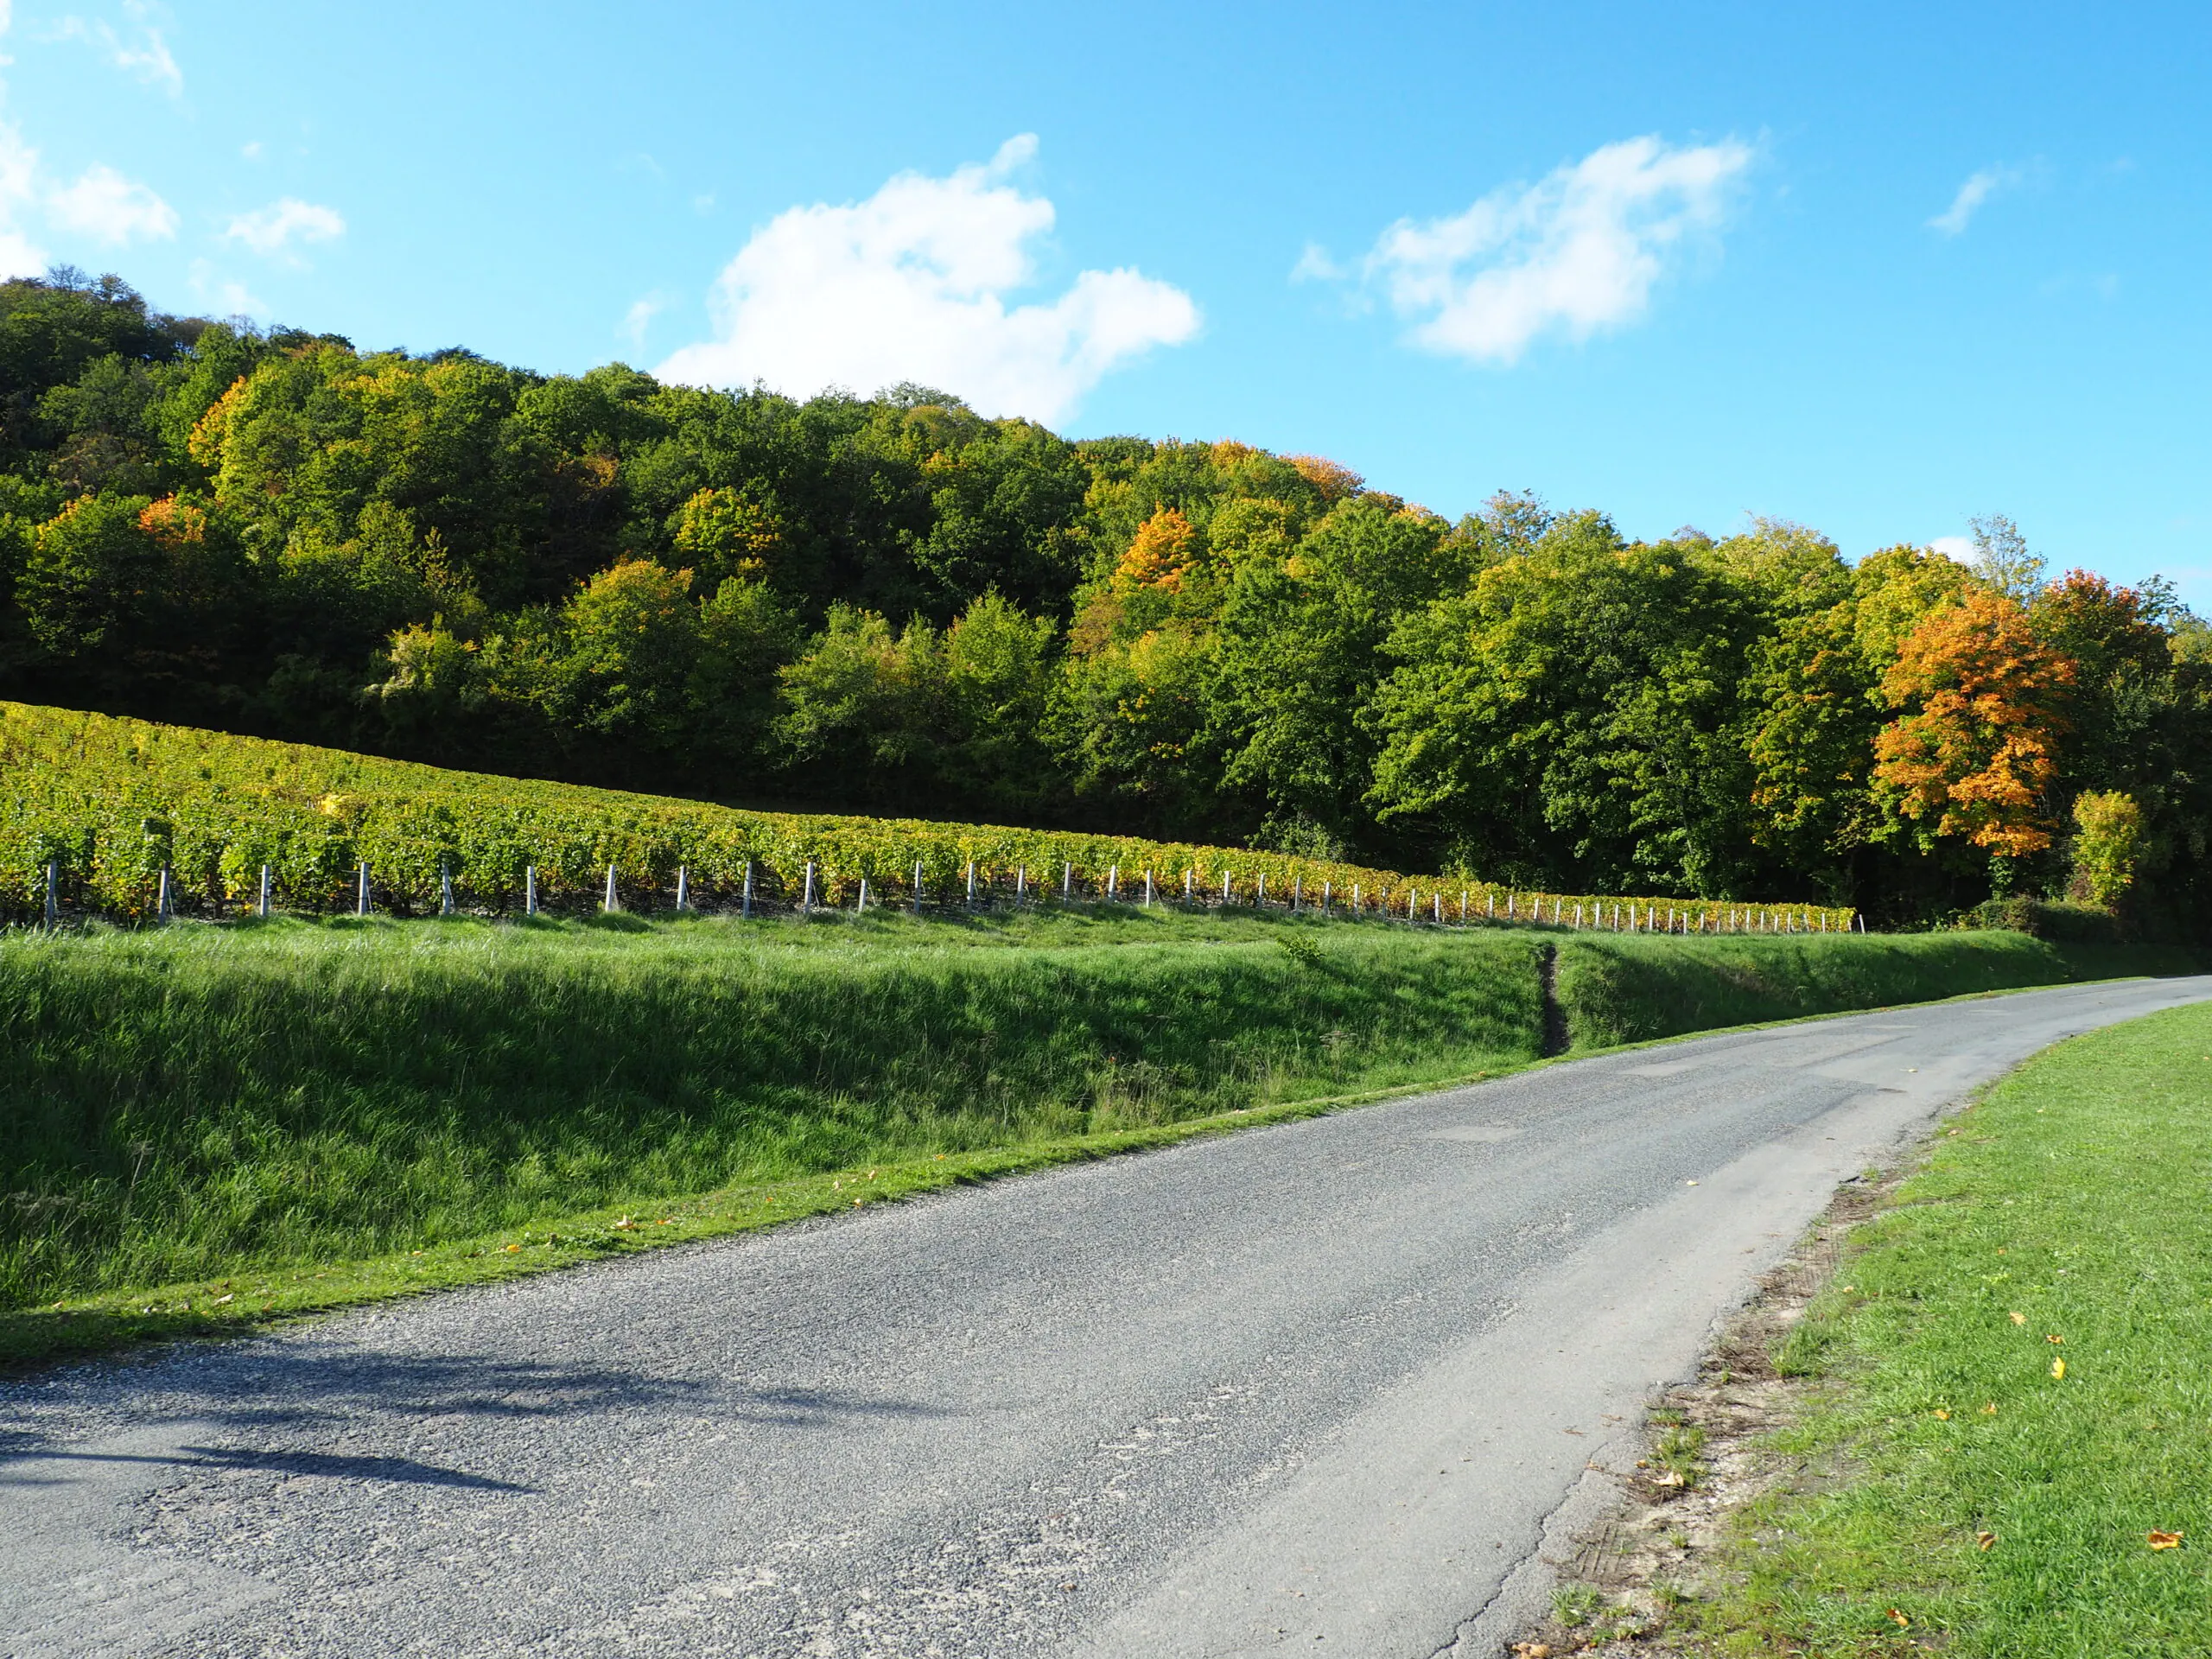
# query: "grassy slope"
1634,988
2075,1195
199,1097
191,1107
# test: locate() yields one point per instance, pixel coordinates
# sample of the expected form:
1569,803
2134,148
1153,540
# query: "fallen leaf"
1943,1413
2019,1319
2053,1338
2165,1541
220,1300
1903,1624
1985,1539
2058,1370
1989,1410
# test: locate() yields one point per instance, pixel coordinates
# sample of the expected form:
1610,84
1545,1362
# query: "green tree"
1575,717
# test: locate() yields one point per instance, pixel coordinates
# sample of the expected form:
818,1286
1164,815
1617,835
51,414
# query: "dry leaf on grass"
2019,1319
2165,1539
1984,1540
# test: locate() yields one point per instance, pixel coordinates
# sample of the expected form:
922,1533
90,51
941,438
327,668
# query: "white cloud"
142,52
1978,188
912,285
111,208
1958,549
19,255
1315,265
640,317
252,150
220,294
1577,251
272,229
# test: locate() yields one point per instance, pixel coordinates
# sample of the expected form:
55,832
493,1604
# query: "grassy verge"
189,1103
1629,988
2013,1403
201,1125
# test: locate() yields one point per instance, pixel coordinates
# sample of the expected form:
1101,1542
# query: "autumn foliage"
1978,752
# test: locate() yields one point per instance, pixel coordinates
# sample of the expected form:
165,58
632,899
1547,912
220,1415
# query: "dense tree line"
891,603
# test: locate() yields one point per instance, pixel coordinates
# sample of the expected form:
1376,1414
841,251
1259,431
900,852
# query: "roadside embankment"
1634,989
185,1105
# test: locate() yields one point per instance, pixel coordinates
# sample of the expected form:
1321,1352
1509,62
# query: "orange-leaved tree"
1976,751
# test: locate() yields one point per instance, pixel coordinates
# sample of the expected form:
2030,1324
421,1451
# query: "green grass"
2076,1195
1630,989
182,1102
283,1114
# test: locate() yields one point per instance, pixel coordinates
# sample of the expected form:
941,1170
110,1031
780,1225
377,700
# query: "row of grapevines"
112,803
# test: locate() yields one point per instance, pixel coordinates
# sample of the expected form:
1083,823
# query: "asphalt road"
1316,1389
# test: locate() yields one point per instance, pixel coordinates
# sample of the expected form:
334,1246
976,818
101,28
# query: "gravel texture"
1319,1388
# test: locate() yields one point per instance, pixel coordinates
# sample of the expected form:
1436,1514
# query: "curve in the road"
1318,1387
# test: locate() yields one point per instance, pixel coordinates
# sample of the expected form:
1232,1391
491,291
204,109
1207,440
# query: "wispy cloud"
1958,549
219,292
640,317
1978,188
19,255
914,284
1578,251
273,230
137,49
109,208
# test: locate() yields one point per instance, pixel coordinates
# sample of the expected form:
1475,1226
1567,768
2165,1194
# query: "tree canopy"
893,603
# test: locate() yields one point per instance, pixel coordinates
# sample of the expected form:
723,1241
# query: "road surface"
1313,1389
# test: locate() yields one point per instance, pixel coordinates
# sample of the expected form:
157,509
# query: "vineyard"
128,819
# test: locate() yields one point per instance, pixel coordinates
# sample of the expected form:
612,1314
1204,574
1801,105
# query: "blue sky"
1876,268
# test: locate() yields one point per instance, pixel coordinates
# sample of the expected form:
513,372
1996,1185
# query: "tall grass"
1631,989
195,1098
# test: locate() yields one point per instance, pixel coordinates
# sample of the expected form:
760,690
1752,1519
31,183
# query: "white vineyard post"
1224,887
54,894
1067,881
1489,906
860,905
1020,886
806,896
529,890
1113,881
1355,900
746,909
445,888
683,888
612,904
971,884
1463,906
1297,893
1260,892
361,897
1438,898
1328,891
1189,880
1147,889
162,896
914,894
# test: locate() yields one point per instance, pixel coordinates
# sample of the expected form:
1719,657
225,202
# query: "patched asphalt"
1314,1387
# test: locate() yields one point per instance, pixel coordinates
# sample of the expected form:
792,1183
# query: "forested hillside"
892,604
